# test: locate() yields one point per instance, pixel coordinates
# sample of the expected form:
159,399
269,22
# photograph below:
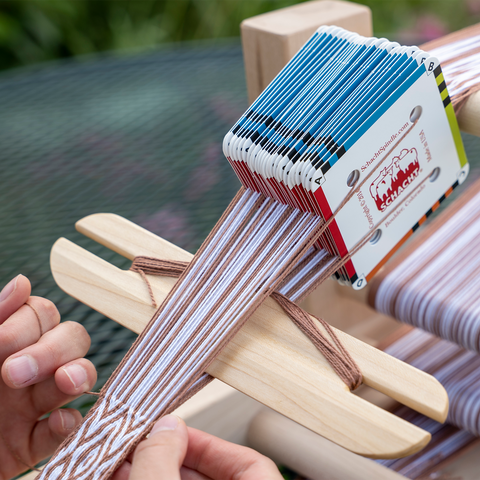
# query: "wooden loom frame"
269,41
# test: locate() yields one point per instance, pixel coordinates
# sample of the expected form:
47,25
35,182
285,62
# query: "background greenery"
33,31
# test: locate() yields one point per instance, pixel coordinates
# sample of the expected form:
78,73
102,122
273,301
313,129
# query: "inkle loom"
296,221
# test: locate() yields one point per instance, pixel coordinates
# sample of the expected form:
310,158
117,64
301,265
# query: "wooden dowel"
469,116
290,444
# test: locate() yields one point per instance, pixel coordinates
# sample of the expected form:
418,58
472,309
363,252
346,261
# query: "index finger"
13,296
222,460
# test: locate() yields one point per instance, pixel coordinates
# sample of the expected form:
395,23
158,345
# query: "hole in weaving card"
352,178
435,174
376,237
415,113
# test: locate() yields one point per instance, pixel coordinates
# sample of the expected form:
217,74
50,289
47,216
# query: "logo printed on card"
395,178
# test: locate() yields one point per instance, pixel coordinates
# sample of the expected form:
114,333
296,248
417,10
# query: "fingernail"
8,289
68,420
21,370
77,375
168,422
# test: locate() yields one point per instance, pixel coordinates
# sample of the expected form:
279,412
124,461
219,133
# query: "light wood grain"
269,360
30,476
316,458
469,116
270,40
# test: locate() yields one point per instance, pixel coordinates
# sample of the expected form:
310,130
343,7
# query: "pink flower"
473,7
431,27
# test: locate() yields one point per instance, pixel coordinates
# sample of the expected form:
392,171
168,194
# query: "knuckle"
263,464
50,353
269,464
77,332
10,337
47,309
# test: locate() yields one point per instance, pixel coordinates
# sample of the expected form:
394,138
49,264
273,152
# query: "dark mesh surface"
138,136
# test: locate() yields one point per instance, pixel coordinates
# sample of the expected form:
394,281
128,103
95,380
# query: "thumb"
162,454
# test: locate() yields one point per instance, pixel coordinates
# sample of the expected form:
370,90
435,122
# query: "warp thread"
428,288
459,372
247,255
458,54
261,240
276,237
335,353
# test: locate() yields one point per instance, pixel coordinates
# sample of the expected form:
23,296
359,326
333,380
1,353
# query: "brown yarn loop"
37,315
151,266
335,353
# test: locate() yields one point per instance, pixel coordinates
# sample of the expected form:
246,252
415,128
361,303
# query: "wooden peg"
272,39
469,116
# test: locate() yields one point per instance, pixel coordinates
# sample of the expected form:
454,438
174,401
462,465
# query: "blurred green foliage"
32,31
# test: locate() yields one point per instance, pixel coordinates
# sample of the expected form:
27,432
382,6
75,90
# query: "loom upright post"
270,40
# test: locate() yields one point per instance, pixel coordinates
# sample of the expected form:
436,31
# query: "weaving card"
263,112
277,97
353,111
349,78
430,149
372,78
368,99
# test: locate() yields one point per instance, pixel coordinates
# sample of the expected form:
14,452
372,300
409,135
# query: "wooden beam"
270,40
469,115
290,444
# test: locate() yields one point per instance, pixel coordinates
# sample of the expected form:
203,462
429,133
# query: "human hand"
176,452
41,369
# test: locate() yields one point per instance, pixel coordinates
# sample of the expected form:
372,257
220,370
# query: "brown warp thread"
304,223
338,358
335,353
38,317
110,410
150,266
